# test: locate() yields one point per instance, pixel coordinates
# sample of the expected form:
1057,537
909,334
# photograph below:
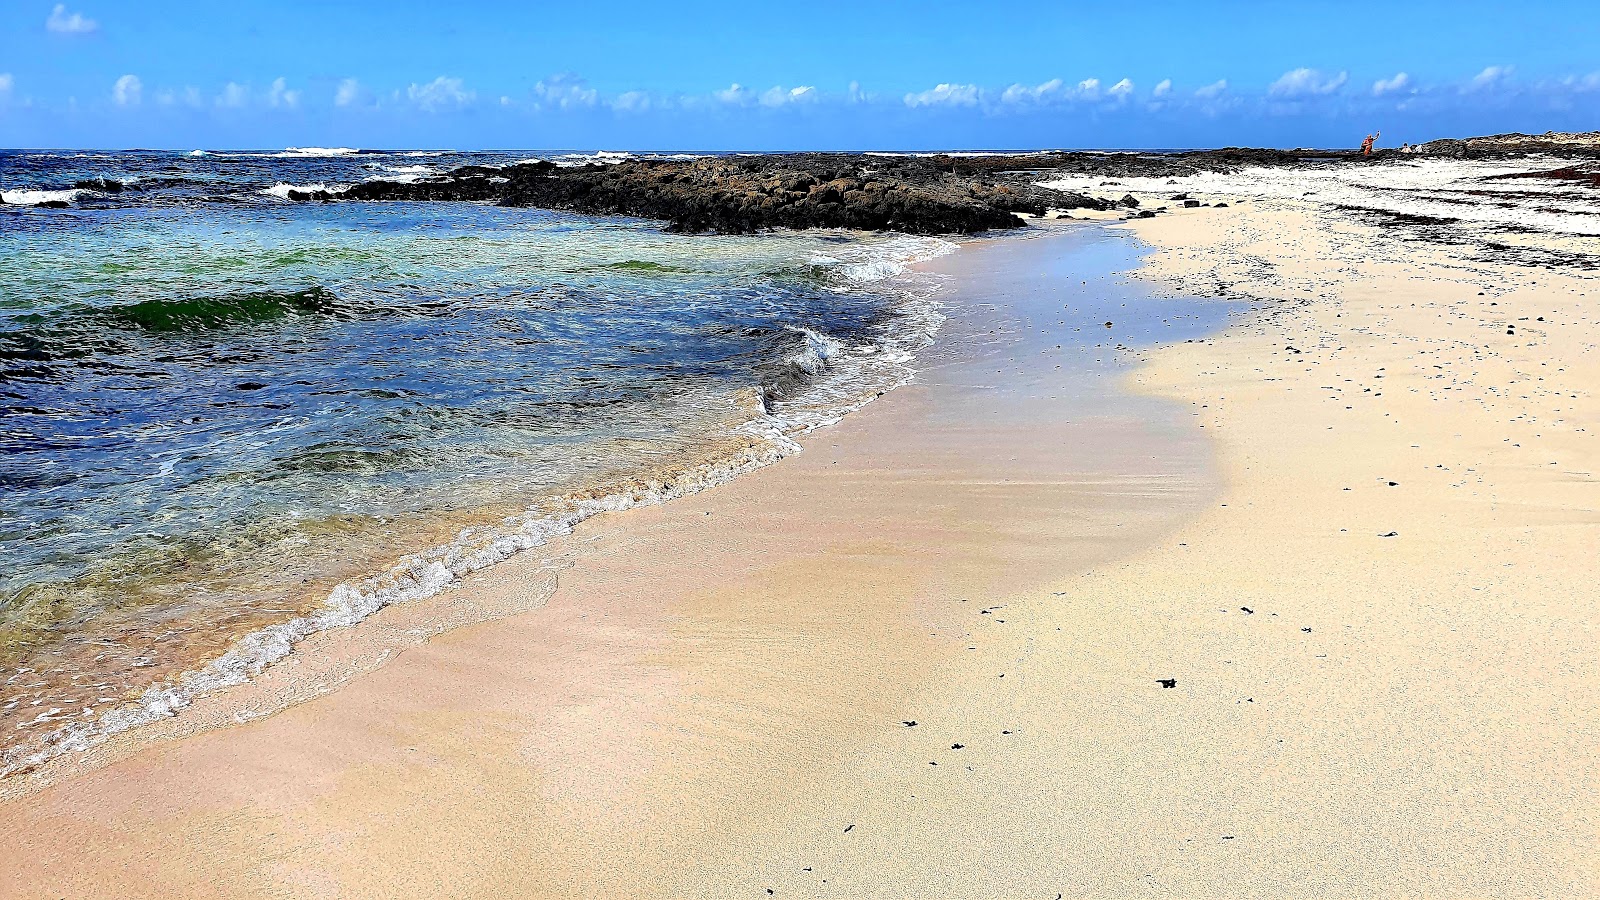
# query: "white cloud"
1583,83
63,22
1398,83
1306,83
1162,89
128,91
1021,93
857,95
440,93
779,96
946,95
1489,77
1215,89
565,91
631,102
280,95
6,83
348,94
233,96
735,93
1121,90
1089,87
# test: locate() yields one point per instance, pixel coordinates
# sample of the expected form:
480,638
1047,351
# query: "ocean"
228,421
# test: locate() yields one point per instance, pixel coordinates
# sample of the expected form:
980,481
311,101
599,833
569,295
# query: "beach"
1260,564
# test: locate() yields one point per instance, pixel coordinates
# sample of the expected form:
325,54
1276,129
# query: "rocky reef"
934,194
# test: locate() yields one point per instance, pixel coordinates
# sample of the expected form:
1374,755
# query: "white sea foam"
404,174
846,379
34,198
281,189
603,157
317,151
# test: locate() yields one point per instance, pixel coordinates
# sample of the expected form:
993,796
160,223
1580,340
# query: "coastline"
1386,685
820,380
867,505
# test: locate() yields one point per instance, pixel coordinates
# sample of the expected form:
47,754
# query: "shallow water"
224,415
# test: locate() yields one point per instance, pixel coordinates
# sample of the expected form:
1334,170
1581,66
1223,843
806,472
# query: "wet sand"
702,667
1354,532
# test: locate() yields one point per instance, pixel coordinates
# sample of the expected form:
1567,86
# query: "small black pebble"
1248,611
909,724
1167,682
957,746
1306,630
1390,534
847,828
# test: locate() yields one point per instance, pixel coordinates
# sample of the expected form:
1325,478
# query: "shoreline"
604,547
1354,530
839,380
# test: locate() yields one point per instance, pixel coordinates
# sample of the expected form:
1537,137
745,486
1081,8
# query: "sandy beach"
1284,590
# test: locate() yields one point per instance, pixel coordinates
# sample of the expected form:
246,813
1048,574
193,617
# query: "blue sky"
827,75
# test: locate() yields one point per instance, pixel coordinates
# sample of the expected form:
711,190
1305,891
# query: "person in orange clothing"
1366,145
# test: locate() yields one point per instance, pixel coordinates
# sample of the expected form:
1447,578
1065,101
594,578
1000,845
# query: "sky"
694,75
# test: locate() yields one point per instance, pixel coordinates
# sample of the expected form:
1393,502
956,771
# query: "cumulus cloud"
1394,85
63,22
1582,83
1489,77
233,96
779,96
1021,93
856,94
440,93
631,102
565,91
945,95
1163,88
735,94
6,83
280,95
1089,87
1306,83
1214,89
128,91
1121,90
349,93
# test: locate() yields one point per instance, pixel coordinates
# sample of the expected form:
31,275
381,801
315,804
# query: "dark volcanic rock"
103,185
736,194
923,195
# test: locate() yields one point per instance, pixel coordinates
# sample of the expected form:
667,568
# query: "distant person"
1366,145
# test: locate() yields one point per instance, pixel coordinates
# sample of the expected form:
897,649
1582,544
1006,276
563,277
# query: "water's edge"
767,437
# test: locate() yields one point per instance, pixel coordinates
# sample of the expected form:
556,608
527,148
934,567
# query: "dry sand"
1010,555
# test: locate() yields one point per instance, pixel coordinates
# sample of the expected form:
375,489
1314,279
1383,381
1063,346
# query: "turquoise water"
221,412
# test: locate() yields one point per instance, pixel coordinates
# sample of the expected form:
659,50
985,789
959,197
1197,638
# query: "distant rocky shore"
934,194
930,194
938,194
